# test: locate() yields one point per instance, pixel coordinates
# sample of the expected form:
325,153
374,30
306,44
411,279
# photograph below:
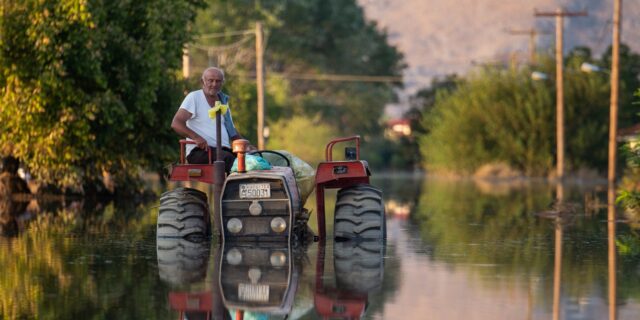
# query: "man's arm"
233,133
179,125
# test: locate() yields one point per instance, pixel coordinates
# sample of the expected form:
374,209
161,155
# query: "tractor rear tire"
182,262
359,265
359,214
184,213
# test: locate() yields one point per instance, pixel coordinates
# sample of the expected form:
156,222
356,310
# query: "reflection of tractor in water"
264,280
359,269
248,279
267,205
259,278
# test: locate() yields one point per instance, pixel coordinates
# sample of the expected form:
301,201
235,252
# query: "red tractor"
266,205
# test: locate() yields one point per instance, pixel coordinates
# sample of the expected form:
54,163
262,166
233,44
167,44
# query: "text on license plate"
255,190
253,292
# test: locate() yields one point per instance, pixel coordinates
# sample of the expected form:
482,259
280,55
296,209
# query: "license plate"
253,292
255,190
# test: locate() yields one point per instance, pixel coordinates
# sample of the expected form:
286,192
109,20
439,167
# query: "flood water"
455,250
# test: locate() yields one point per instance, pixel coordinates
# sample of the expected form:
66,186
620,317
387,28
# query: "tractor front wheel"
184,213
359,214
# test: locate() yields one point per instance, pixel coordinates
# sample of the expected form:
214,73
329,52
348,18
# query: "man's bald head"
212,81
212,69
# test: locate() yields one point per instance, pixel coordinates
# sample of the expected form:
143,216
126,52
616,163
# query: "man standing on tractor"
193,122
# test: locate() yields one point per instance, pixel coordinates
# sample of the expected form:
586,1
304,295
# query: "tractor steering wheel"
260,152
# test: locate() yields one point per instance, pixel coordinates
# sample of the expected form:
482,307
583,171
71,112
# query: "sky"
440,37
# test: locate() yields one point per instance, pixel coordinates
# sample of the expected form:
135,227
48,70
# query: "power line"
227,47
342,77
225,34
330,77
532,33
249,34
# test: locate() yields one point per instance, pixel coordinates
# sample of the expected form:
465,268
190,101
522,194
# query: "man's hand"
201,142
179,125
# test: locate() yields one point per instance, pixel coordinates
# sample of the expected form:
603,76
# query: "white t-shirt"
196,103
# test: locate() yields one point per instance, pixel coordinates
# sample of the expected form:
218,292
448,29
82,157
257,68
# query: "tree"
629,192
425,99
305,37
89,87
307,133
629,83
493,116
499,115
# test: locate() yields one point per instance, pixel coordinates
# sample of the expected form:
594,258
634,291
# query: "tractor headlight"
278,259
278,224
234,257
255,208
234,225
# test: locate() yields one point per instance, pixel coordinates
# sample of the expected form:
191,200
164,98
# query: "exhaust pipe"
239,147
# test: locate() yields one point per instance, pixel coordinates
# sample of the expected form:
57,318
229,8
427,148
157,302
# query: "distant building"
630,135
397,128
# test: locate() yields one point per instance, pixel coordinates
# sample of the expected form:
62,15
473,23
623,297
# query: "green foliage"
98,279
425,98
630,199
631,155
302,37
629,106
503,116
90,86
494,115
389,154
404,153
628,245
587,99
306,35
303,137
629,193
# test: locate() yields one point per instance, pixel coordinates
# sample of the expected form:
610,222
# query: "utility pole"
557,267
615,81
533,34
613,132
186,70
559,14
260,84
611,245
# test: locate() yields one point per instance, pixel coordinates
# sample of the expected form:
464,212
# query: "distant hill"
440,37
